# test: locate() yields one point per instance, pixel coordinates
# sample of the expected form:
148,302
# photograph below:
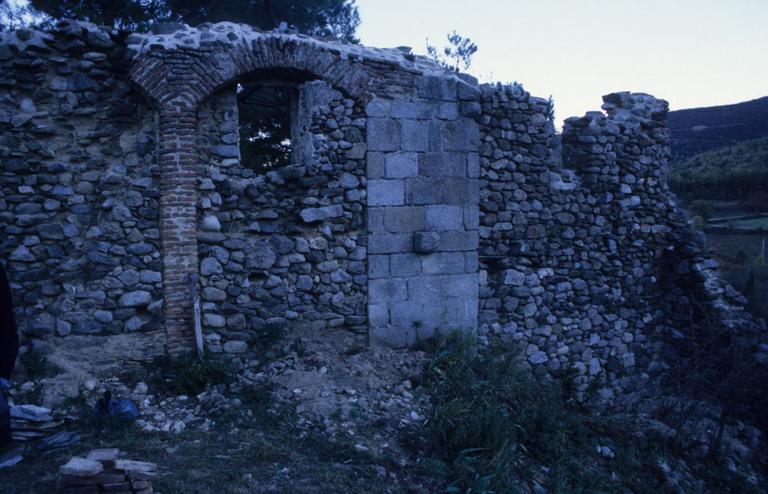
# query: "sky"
690,52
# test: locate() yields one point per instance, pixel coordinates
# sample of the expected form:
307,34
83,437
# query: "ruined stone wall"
412,107
288,246
78,186
418,202
587,262
566,267
138,195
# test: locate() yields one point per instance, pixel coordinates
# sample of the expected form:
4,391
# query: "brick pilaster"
178,160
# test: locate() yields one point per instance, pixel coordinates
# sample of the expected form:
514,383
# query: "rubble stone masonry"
417,201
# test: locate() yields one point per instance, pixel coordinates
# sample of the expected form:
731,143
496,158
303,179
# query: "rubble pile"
30,422
103,471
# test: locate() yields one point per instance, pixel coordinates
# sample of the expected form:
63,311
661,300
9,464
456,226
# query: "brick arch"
189,76
177,81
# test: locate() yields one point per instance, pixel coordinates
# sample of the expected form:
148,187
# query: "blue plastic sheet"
116,408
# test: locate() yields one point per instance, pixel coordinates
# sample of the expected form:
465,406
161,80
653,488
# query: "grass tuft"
188,374
493,424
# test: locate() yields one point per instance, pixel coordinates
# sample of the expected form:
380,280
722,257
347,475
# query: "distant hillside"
700,129
734,171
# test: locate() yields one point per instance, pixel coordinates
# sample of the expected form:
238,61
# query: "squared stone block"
471,262
416,316
436,287
447,111
390,243
462,285
437,88
375,219
383,134
443,263
378,107
404,219
376,165
459,241
405,265
386,193
461,135
427,317
387,291
460,315
437,165
473,165
378,266
411,109
426,288
423,191
442,218
460,191
401,165
468,92
415,135
436,135
378,314
472,217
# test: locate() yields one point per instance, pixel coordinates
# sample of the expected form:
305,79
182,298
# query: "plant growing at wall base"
489,414
187,374
494,428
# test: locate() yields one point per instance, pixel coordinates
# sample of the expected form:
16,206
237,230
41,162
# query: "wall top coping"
184,37
628,109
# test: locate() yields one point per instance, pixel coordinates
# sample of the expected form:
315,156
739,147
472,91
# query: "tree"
457,54
338,18
14,15
265,125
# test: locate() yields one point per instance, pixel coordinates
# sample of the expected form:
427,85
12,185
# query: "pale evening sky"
690,52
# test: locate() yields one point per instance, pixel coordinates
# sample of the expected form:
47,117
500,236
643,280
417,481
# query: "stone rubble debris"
30,422
11,458
102,470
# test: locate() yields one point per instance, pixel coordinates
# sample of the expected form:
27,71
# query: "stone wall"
422,214
577,256
417,202
78,186
288,246
406,99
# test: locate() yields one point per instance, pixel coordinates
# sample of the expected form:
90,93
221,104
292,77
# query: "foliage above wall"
727,172
457,55
338,18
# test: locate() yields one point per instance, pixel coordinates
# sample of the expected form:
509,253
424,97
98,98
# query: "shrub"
492,424
188,374
37,365
489,415
702,208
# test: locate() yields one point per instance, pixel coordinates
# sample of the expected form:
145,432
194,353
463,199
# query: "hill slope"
733,171
696,130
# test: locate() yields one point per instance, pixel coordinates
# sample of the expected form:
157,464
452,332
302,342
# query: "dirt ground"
305,414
